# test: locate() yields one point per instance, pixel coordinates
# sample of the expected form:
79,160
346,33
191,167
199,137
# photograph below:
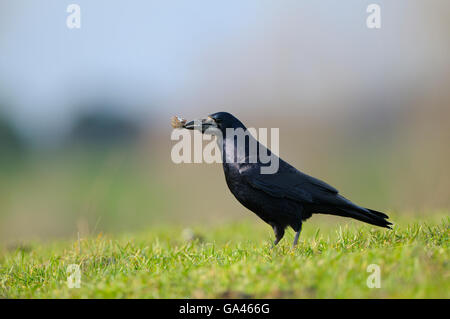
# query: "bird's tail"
366,215
369,216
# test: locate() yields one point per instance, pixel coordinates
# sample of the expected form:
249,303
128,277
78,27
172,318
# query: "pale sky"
165,57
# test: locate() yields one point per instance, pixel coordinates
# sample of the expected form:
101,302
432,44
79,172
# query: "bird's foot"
297,235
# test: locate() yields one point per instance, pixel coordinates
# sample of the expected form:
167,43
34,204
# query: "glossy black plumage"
285,198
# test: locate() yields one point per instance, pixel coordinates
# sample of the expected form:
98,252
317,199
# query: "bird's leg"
279,233
297,235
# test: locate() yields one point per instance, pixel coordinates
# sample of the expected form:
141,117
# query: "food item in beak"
178,122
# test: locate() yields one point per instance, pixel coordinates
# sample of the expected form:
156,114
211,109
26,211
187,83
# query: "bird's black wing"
288,182
292,184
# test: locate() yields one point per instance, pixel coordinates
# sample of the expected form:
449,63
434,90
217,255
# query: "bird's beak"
201,124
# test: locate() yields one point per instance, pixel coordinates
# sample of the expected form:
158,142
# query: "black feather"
287,197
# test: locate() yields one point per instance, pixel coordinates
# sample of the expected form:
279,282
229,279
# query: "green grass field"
131,212
235,261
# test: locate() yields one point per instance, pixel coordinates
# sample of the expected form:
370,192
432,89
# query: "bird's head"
215,122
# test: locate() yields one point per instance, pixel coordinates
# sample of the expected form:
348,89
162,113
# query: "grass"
235,261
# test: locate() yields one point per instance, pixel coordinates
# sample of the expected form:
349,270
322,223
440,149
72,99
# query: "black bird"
286,198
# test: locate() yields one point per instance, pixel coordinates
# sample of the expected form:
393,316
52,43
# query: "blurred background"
85,113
